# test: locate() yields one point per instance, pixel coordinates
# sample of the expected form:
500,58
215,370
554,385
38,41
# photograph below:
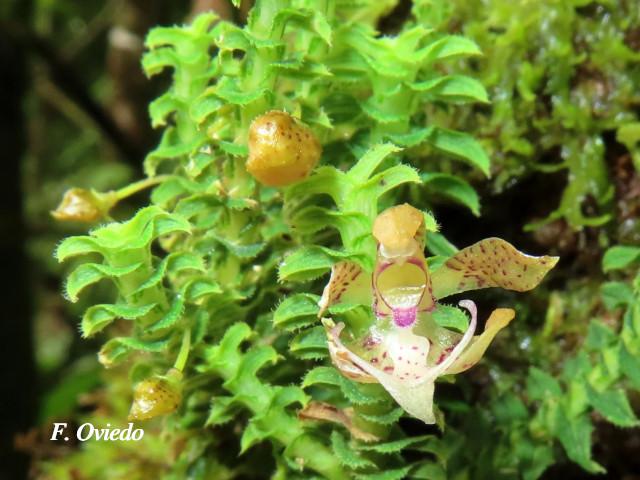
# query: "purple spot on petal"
404,317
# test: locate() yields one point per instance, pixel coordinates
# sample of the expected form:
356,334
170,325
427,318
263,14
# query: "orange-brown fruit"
281,150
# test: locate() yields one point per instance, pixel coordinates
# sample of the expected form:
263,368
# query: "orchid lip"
405,317
401,287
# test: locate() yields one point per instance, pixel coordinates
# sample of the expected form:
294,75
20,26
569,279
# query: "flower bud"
397,227
77,205
281,150
80,205
156,396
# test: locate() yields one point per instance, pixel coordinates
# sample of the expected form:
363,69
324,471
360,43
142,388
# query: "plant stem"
183,355
138,186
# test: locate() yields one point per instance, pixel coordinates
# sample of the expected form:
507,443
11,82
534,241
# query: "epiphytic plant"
215,300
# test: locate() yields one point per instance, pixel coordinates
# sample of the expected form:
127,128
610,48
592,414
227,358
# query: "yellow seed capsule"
281,150
156,396
78,205
397,227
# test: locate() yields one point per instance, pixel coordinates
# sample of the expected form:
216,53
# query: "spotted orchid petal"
490,263
399,362
348,283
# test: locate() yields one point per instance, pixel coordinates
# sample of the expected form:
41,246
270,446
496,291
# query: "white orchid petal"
464,341
414,395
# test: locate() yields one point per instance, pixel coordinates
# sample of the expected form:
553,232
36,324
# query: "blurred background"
73,103
562,132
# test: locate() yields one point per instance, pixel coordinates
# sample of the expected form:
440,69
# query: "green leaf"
542,386
451,317
117,349
613,405
230,90
388,418
147,224
171,316
223,410
325,180
346,455
180,261
310,344
599,336
387,474
244,251
450,46
201,286
574,434
253,361
197,204
373,110
619,257
509,408
73,246
322,26
90,273
312,219
616,294
198,163
430,471
630,366
460,145
171,148
162,107
395,446
414,137
225,357
389,179
297,311
155,61
204,106
254,433
170,224
455,188
234,149
453,88
370,161
174,263
309,263
430,223
168,191
354,393
97,317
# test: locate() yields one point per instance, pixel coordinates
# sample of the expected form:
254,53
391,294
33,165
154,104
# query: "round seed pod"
281,150
156,396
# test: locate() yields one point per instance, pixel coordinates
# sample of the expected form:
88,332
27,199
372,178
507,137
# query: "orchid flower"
404,349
